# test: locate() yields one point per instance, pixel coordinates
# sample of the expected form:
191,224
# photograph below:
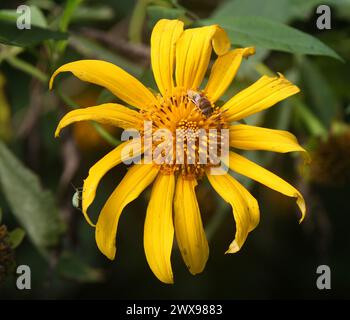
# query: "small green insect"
77,197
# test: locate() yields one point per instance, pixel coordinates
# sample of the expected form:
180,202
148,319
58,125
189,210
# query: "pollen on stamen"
189,154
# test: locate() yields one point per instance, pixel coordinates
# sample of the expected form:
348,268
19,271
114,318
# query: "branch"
122,46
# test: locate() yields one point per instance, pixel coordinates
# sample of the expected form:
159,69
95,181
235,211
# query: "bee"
201,102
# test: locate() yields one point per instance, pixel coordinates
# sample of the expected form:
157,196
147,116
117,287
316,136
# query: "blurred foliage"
32,206
71,267
36,171
263,32
11,35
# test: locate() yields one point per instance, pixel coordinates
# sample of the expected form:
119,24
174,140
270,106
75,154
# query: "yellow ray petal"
224,70
134,182
189,230
113,78
100,168
252,170
108,113
245,207
255,138
193,51
164,36
159,229
261,95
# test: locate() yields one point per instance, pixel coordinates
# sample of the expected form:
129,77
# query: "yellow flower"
179,61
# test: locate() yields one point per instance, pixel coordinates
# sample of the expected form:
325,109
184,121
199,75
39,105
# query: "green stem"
263,69
67,100
105,134
69,9
59,47
8,52
311,122
27,68
137,20
100,130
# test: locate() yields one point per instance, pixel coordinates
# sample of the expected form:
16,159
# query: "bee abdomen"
205,106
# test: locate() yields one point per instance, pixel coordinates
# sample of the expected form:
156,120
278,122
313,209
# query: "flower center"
186,133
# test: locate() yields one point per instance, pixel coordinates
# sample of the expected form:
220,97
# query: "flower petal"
261,95
252,170
245,207
193,51
113,78
224,70
108,113
247,137
164,36
189,229
159,229
134,182
100,168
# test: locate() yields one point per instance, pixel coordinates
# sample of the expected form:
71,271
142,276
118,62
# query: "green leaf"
38,18
261,32
11,35
0,215
319,92
302,9
33,207
43,4
72,267
277,10
15,237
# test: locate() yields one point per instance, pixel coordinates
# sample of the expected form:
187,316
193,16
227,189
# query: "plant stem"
137,20
27,68
105,134
312,123
263,69
59,47
67,15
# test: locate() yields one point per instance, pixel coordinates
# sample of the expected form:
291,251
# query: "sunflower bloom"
179,61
